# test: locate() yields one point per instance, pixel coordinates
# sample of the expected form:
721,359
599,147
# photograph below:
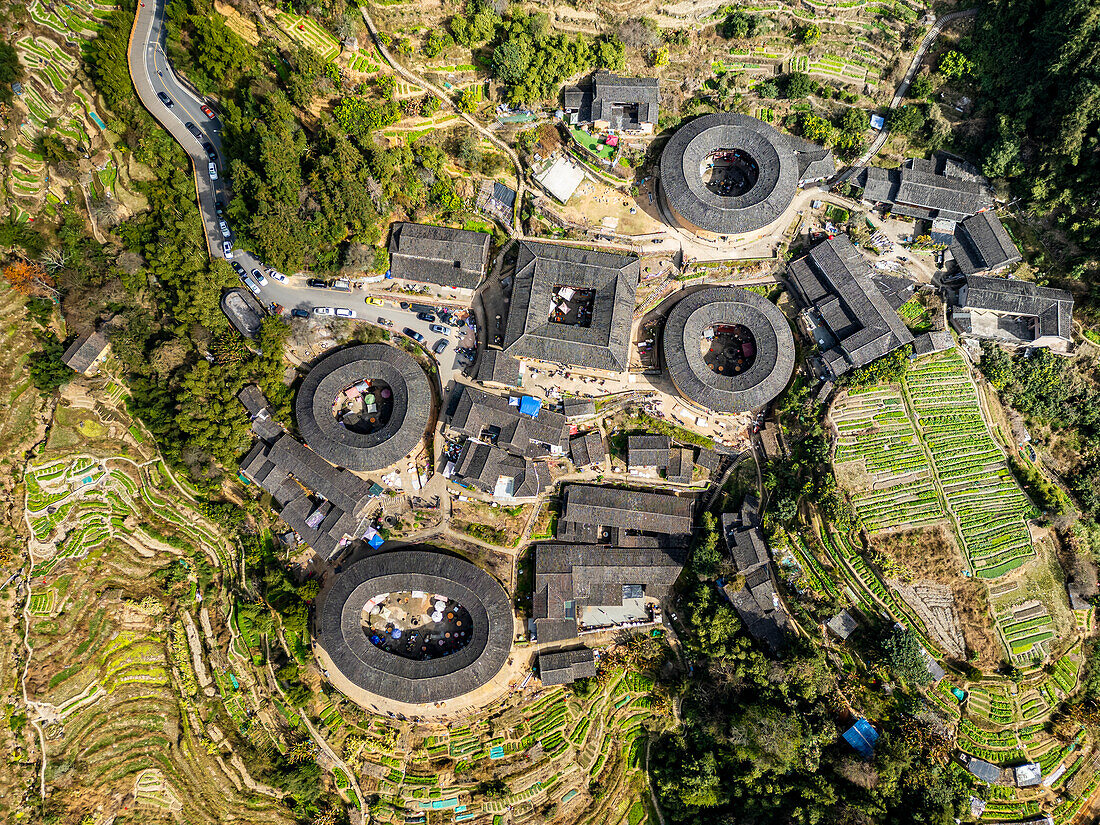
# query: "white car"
227,250
212,168
248,282
278,276
224,227
259,276
322,311
345,313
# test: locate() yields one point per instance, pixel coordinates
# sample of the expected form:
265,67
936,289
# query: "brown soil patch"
932,554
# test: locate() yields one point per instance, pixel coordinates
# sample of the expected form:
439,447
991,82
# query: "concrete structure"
843,624
425,254
87,353
377,443
754,367
357,664
981,244
728,174
1014,312
572,306
560,176
613,103
834,282
243,311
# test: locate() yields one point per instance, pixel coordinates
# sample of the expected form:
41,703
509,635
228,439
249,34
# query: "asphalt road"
151,73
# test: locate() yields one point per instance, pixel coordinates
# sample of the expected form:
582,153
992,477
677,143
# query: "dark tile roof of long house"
574,407
343,368
756,601
835,279
567,666
927,189
624,102
604,343
934,341
83,352
647,450
982,244
681,462
477,412
438,255
773,360
587,449
569,577
496,367
340,632
587,508
492,470
1052,309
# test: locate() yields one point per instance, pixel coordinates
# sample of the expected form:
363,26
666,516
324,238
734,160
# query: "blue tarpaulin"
862,737
376,541
529,406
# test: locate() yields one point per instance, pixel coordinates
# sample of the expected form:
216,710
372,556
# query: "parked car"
404,304
206,110
300,313
440,346
341,312
259,276
425,316
322,310
238,269
212,168
442,330
193,129
210,153
385,322
278,276
224,227
167,101
227,250
248,282
412,333
317,283
219,207
375,301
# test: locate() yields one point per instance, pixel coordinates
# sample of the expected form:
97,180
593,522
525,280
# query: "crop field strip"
988,505
874,429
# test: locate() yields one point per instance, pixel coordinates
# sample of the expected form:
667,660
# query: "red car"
206,110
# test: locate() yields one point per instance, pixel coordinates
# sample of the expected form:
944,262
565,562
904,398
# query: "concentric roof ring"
412,403
765,378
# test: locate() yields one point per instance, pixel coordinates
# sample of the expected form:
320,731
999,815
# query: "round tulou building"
413,626
727,349
364,407
727,174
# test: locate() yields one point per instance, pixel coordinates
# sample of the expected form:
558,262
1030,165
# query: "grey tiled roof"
604,344
595,507
680,465
438,255
1051,309
412,403
82,352
624,102
756,601
567,666
835,279
843,624
586,449
982,244
569,577
647,451
692,202
496,367
340,631
935,341
578,407
483,465
985,771
928,189
749,390
477,410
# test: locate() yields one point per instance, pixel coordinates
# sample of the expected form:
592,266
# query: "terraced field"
895,487
987,504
